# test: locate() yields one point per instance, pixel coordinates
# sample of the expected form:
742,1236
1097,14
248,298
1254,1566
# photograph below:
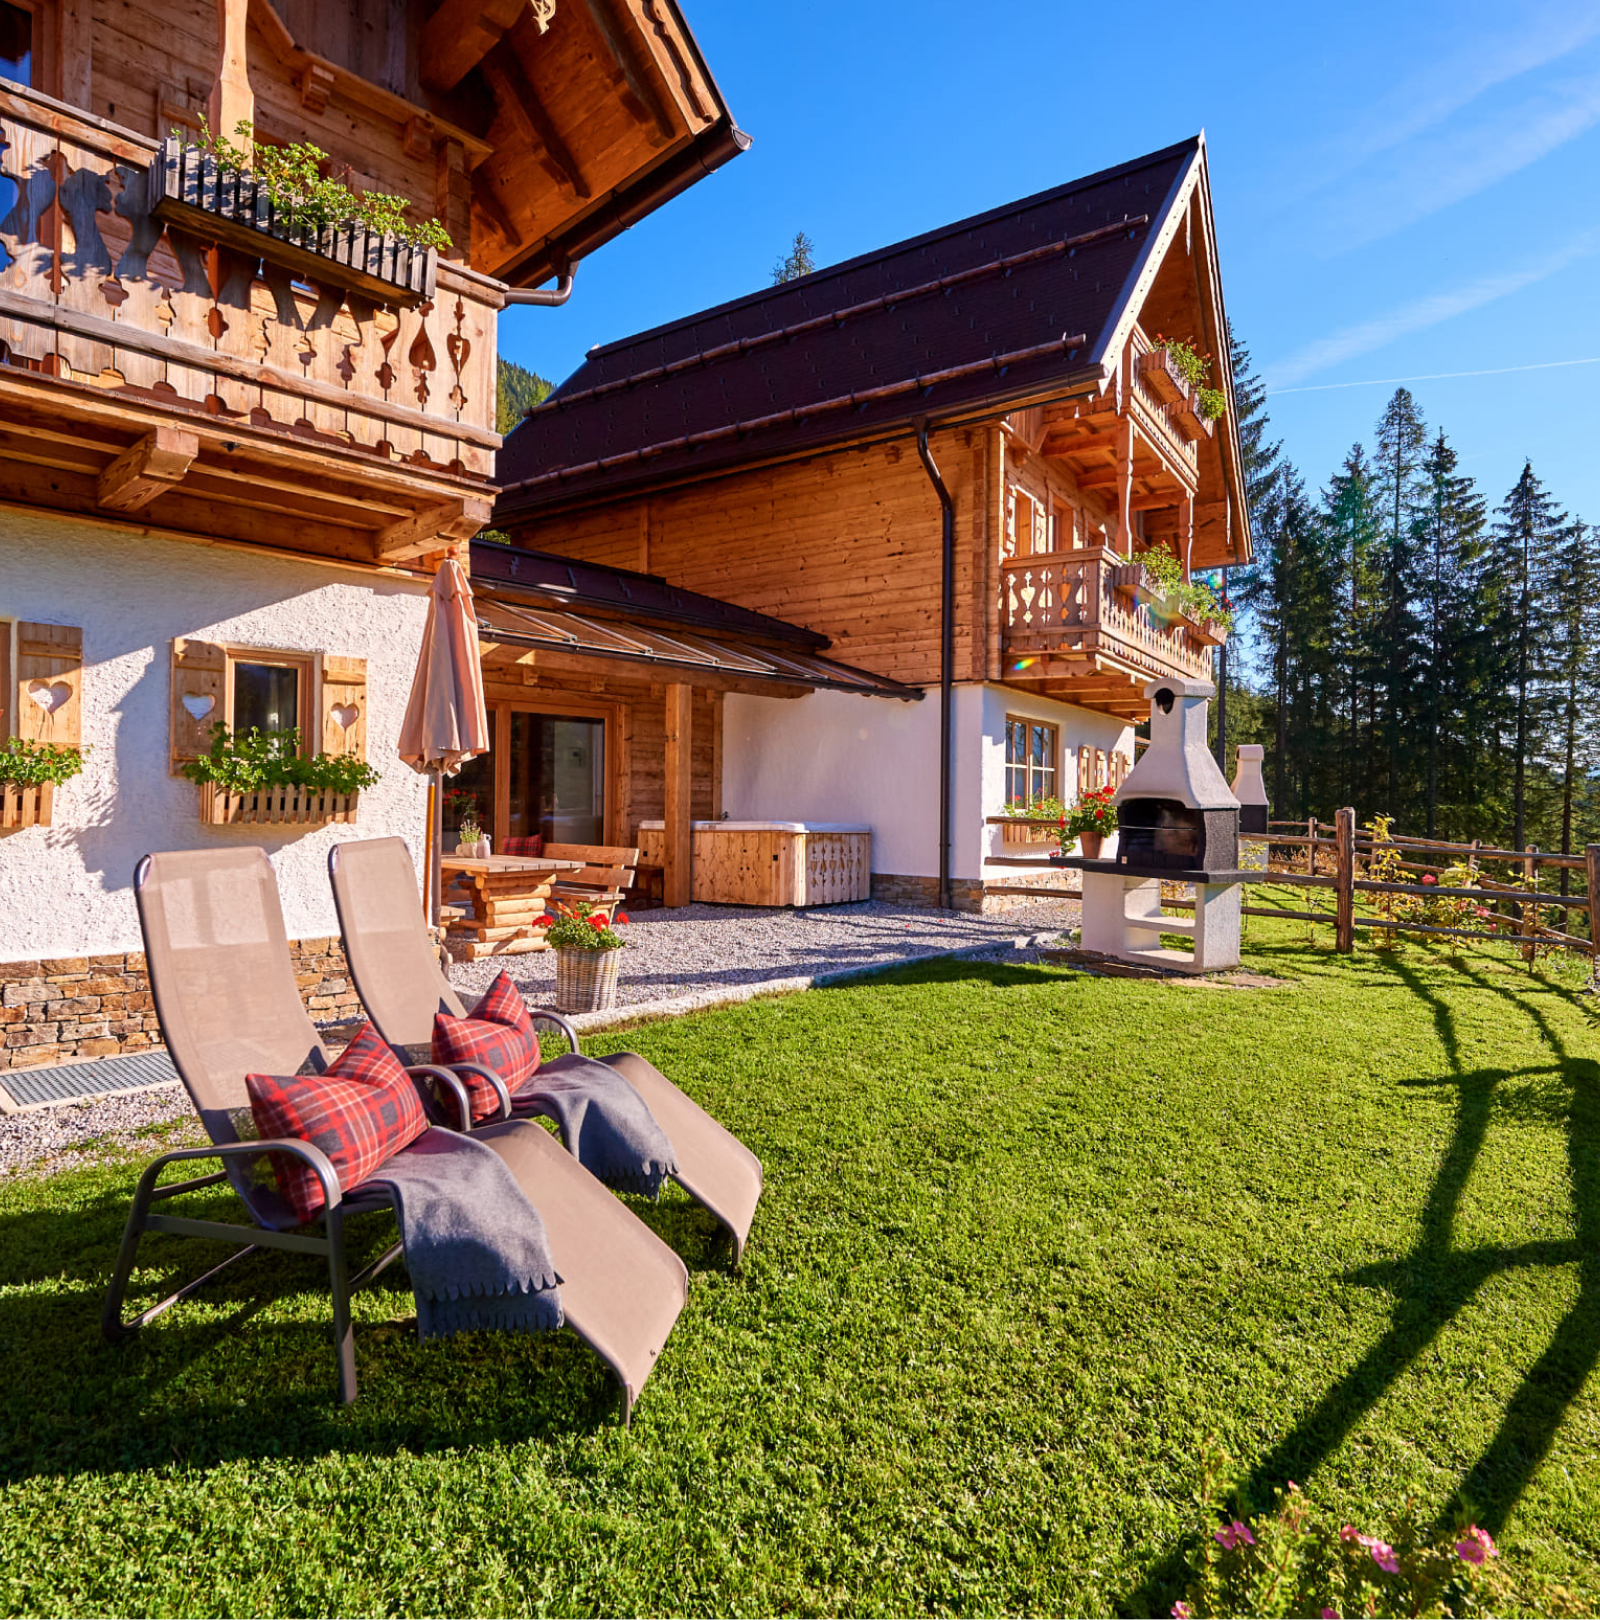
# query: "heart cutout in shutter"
199,706
49,695
344,715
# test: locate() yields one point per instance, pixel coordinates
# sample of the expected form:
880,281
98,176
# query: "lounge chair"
224,989
402,985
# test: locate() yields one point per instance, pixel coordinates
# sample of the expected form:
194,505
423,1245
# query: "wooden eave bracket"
460,33
422,532
517,101
152,466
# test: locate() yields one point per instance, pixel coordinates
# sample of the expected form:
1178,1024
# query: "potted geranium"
1092,818
586,943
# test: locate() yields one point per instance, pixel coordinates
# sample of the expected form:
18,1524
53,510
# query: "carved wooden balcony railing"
96,293
1064,625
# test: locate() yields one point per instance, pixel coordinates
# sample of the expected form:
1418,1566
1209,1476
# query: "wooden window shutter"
344,706
199,675
47,702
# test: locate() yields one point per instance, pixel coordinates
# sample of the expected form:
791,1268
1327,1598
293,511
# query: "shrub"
272,759
32,764
1211,403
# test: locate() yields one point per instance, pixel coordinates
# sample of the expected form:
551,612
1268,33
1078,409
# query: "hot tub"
771,863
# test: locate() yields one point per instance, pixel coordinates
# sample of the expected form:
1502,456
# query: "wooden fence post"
1591,861
1311,848
1344,879
1530,914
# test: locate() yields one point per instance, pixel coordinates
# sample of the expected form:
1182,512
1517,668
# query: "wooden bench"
607,871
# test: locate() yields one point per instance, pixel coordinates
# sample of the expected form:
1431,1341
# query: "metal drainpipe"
946,657
548,298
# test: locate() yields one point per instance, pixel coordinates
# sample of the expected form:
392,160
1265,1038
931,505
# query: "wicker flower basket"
586,981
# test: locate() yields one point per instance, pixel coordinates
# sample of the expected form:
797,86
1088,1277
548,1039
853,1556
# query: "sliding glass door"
545,777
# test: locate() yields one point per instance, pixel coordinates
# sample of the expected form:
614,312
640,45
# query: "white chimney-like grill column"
1177,821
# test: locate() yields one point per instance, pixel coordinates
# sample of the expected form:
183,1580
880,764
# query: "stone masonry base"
966,894
60,1008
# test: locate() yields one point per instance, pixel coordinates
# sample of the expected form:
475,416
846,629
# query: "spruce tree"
1527,528
1351,522
1574,668
1447,546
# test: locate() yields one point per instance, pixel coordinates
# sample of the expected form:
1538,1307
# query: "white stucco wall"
66,890
831,756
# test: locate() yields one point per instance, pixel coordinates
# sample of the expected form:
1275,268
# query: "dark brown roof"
517,574
1006,306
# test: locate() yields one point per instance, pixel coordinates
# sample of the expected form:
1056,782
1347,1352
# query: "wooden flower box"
1190,423
189,189
25,806
1019,832
1161,376
1210,632
1131,581
301,807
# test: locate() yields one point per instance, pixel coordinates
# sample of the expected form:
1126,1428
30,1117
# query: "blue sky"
1402,190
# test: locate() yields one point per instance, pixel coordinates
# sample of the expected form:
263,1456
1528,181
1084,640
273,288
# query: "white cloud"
1421,313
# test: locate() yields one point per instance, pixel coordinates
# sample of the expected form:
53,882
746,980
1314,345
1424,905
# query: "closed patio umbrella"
445,721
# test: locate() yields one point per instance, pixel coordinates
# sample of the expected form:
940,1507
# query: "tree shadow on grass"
1436,1280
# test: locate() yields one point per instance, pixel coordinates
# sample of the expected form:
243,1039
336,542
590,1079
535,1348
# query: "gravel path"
73,1135
696,949
693,951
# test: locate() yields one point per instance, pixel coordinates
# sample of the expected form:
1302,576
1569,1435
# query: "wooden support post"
1344,879
1591,862
232,101
1530,914
679,876
1125,488
1311,848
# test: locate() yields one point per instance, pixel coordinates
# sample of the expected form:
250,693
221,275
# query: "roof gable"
1020,302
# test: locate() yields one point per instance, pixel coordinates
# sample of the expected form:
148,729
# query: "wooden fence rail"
1347,849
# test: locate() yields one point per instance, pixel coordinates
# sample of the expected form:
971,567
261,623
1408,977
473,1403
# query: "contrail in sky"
1433,376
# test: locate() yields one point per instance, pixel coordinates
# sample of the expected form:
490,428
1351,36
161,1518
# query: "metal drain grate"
136,1071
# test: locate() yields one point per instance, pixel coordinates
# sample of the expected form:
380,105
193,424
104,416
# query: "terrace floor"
1033,1246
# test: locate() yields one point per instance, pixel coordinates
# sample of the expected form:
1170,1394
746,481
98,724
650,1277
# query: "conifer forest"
1413,645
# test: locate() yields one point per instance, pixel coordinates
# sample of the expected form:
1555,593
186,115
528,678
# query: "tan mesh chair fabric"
402,985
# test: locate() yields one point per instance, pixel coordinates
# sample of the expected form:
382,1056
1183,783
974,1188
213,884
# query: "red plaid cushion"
361,1111
524,846
499,1034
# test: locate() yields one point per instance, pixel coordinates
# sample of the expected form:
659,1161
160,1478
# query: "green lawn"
1031,1244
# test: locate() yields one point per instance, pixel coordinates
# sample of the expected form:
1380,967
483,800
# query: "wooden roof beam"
419,534
639,94
517,102
459,34
148,468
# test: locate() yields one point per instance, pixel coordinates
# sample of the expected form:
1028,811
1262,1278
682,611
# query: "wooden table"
507,895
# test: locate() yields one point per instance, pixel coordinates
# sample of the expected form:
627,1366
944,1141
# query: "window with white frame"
1030,761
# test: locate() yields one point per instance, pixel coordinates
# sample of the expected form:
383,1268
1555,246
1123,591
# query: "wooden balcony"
152,376
1067,632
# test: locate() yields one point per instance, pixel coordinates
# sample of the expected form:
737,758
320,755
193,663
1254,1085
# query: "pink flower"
1476,1546
1230,1535
1348,1533
1330,1614
1428,877
1383,1555
1181,1611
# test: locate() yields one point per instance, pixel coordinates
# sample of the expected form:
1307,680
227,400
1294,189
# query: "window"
1030,761
16,43
1063,528
268,696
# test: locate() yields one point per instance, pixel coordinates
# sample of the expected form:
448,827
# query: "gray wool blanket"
606,1125
474,1246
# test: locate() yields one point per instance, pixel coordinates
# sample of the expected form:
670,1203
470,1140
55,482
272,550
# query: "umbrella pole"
436,848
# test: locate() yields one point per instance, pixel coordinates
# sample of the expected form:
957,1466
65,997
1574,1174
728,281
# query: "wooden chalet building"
791,452
229,462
